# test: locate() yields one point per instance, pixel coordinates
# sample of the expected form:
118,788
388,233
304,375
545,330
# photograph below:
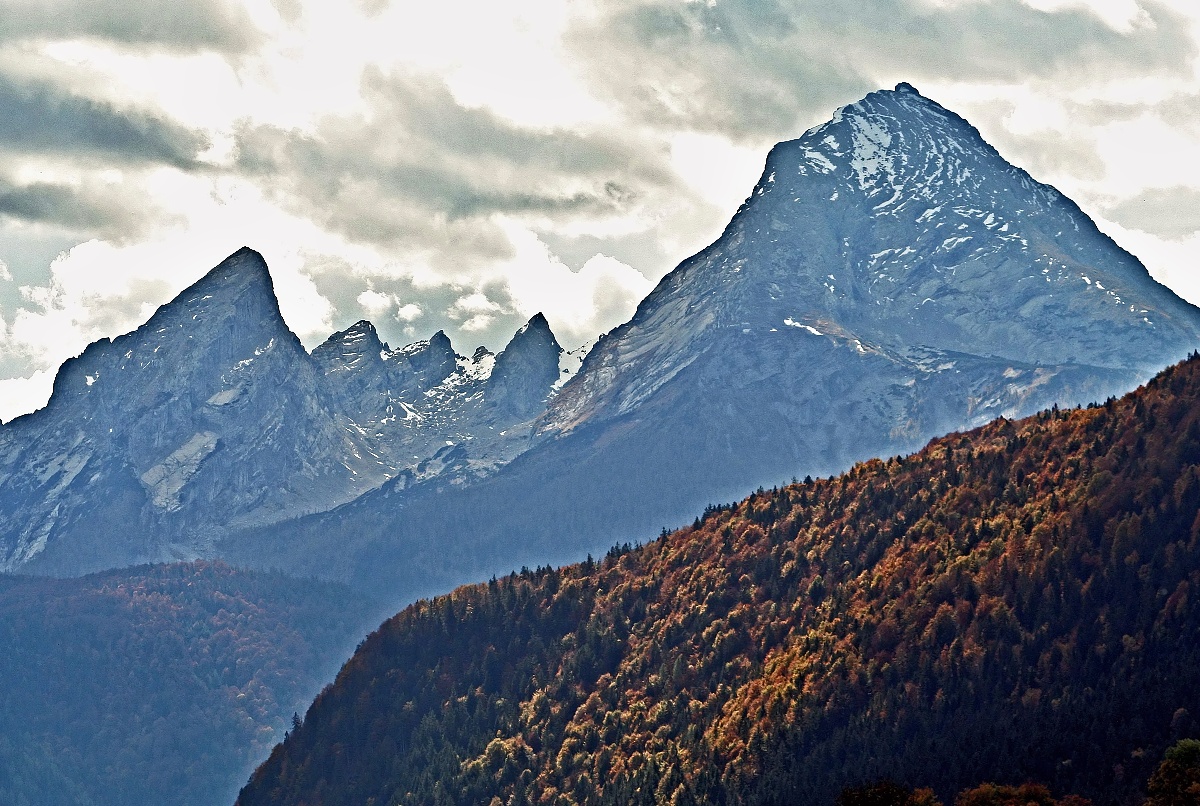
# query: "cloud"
409,313
375,303
394,302
474,312
180,25
41,118
22,395
378,305
1172,213
579,304
422,171
1036,142
88,209
5,276
758,69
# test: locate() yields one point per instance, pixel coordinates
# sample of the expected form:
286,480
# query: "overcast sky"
464,164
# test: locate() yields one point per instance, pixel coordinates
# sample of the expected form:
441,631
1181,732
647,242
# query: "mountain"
890,278
1009,604
159,685
212,418
895,238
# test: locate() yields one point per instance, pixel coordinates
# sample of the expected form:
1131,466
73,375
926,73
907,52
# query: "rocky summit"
890,278
212,418
894,235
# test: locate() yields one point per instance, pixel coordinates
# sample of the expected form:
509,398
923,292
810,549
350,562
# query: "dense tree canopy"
1015,604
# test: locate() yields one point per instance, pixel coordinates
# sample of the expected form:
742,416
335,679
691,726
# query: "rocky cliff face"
207,416
526,371
211,418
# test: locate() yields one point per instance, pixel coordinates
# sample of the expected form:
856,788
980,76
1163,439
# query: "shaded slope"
1017,602
158,685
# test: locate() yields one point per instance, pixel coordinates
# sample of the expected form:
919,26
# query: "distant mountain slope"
212,418
1014,603
890,279
158,685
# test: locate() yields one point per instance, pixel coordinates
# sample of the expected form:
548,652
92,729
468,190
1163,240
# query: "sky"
465,164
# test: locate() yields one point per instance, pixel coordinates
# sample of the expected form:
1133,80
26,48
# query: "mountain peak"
534,334
245,268
536,322
356,347
892,228
361,335
238,288
526,369
227,314
364,327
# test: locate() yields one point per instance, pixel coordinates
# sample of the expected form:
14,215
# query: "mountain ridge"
808,336
889,279
845,156
160,684
211,418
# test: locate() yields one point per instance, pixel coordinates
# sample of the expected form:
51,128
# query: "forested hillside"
158,685
1020,603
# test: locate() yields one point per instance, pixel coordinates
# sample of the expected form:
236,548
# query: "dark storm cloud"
758,68
41,118
1166,212
180,25
85,211
423,170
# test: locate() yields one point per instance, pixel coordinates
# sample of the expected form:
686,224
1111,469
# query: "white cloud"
715,168
378,305
474,312
1120,15
577,304
22,395
375,303
1146,152
409,312
5,274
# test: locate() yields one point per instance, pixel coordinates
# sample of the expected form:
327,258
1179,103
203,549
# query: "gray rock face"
211,419
207,417
525,371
